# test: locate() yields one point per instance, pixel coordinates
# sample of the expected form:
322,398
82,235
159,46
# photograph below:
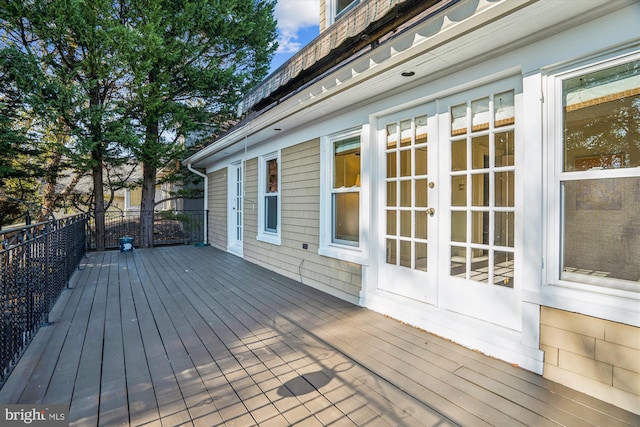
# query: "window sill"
274,239
344,253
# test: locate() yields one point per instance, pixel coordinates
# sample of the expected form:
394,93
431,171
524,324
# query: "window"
269,198
345,192
340,198
482,148
598,175
337,8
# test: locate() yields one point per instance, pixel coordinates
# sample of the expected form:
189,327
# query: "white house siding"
217,206
300,189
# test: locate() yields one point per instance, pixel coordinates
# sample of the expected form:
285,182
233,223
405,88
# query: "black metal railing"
36,263
169,228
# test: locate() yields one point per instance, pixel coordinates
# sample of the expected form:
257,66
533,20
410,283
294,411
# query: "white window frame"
332,15
356,253
264,235
592,286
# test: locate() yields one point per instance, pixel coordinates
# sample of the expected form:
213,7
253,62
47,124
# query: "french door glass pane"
504,229
459,155
421,256
459,226
421,161
459,190
504,149
503,269
479,265
392,251
405,253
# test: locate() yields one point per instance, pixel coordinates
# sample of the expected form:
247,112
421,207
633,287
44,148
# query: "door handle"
431,211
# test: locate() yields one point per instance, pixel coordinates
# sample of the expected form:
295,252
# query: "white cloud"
293,16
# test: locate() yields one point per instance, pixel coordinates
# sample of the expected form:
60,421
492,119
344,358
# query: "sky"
298,24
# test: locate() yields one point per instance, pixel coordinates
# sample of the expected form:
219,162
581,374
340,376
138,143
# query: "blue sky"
297,25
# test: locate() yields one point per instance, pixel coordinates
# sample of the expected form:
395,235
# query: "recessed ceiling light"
407,74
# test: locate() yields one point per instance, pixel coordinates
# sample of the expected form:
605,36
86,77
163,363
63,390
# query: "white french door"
408,204
235,206
446,206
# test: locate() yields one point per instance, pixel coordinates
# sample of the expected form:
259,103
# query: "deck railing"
36,263
169,227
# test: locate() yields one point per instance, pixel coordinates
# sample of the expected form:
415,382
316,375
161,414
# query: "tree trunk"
50,195
149,172
147,204
98,193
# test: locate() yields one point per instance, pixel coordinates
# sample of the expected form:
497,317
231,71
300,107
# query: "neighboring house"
469,167
123,193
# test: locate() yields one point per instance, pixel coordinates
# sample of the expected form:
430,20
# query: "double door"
446,206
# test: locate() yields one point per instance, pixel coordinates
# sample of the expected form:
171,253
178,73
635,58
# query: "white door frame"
235,217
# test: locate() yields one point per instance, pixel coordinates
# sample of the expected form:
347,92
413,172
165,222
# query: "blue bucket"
126,244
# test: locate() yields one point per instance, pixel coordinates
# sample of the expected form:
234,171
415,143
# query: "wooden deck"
194,336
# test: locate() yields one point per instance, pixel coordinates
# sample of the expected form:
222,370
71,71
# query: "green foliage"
102,82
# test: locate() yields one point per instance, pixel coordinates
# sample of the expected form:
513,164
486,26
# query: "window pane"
480,265
459,190
480,152
392,135
392,168
405,194
343,4
602,119
480,114
346,217
347,163
505,184
459,119
421,256
459,155
480,227
391,194
421,193
480,190
459,226
391,223
405,163
458,261
504,229
602,228
392,252
272,176
504,110
503,269
405,133
422,222
421,161
504,149
271,214
421,129
405,223
405,253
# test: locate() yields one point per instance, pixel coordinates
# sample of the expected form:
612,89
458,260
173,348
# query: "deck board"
185,336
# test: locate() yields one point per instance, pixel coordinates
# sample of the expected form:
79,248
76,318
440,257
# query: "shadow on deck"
194,336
